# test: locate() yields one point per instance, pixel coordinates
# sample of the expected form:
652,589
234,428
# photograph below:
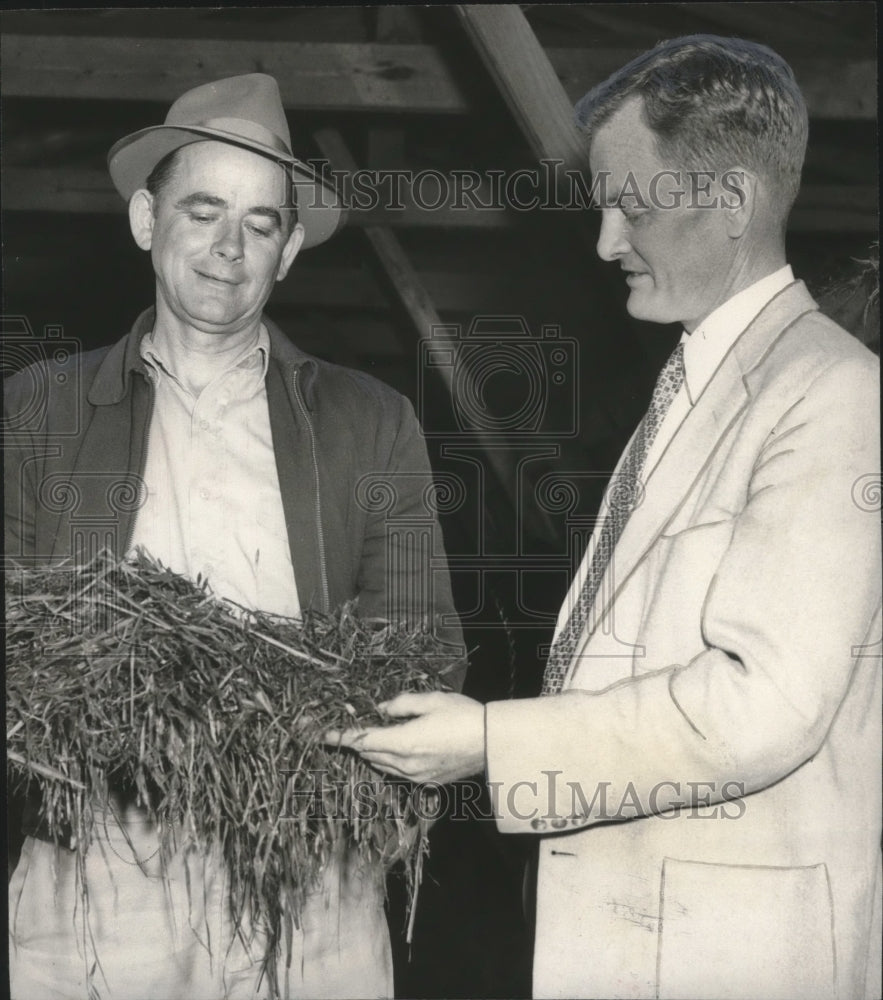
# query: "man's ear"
739,199
141,218
290,250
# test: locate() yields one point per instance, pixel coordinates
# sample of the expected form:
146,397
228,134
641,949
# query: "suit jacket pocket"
742,932
678,574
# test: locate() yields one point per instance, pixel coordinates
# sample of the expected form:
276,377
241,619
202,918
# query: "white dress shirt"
706,347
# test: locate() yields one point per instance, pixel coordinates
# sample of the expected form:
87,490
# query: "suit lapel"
693,446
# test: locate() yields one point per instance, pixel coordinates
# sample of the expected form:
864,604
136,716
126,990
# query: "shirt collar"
112,384
706,347
255,359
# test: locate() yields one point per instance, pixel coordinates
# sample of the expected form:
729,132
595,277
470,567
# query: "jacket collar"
112,380
759,338
715,335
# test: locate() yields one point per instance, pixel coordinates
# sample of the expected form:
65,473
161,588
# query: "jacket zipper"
145,435
323,576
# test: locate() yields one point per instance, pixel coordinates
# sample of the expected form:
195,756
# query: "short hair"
160,177
713,103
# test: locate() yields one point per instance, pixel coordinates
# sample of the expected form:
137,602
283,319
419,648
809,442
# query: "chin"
211,314
640,307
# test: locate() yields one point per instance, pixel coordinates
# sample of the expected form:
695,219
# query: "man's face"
678,257
218,237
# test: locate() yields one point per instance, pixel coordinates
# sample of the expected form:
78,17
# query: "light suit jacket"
709,779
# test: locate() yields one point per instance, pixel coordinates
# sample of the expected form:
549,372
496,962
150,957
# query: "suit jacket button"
559,824
538,824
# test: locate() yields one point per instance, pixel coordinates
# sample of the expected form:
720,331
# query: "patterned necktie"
623,495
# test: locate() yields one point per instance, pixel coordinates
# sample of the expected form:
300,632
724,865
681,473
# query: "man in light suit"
704,765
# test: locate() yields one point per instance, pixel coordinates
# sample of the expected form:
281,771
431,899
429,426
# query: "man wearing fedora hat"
246,454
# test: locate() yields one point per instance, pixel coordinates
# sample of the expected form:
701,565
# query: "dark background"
69,263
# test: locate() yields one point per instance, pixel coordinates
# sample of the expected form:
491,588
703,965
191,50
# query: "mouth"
633,278
216,278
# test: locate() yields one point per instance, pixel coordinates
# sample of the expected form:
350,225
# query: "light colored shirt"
704,350
706,347
214,507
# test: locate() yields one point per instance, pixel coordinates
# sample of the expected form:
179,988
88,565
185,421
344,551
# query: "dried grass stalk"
124,675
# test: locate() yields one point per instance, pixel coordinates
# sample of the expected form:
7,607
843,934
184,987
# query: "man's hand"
443,739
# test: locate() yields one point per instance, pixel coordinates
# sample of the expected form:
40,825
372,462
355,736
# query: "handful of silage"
125,675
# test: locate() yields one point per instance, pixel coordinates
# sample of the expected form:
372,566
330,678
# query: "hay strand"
126,676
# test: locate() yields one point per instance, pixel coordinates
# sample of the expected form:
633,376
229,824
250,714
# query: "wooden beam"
838,88
528,82
326,76
396,23
56,189
747,20
833,208
312,76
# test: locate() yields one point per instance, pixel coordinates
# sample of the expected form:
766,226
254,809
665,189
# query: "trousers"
147,931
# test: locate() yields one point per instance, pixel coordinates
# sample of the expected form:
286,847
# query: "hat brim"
319,206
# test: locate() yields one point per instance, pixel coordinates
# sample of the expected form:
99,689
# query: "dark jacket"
353,471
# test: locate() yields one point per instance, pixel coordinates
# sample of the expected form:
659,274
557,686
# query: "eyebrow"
204,198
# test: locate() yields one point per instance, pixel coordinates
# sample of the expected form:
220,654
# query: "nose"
612,242
228,245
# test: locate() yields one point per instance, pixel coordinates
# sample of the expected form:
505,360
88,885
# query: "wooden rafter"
527,81
328,76
312,75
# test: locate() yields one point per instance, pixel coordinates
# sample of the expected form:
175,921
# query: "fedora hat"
245,111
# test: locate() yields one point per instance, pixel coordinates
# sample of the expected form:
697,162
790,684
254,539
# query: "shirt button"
204,425
204,493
